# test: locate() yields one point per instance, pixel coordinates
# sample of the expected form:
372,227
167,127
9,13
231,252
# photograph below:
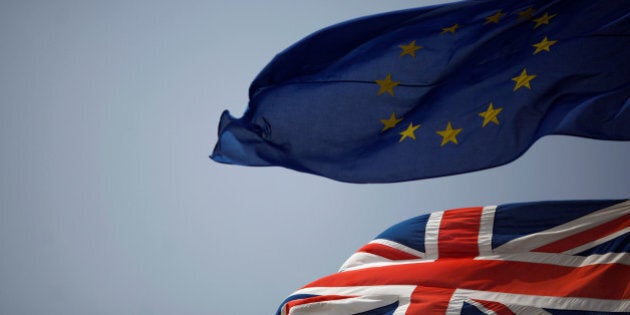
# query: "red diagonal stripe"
587,236
386,252
496,307
459,231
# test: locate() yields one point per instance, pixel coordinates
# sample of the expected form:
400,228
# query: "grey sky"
110,205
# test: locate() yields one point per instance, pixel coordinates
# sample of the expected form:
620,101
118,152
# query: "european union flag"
439,90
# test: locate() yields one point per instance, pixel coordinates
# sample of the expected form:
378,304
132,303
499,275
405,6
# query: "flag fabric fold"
438,90
552,257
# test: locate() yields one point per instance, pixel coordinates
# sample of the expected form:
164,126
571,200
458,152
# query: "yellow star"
387,85
545,44
495,17
522,80
527,14
490,115
409,49
409,132
391,122
543,20
449,134
450,29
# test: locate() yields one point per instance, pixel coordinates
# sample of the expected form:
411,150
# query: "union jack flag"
553,257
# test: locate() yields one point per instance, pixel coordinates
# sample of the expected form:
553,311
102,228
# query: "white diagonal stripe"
536,240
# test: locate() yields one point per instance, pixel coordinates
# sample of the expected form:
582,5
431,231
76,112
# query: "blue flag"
437,91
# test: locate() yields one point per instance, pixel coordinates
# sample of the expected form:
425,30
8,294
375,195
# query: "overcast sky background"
110,205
